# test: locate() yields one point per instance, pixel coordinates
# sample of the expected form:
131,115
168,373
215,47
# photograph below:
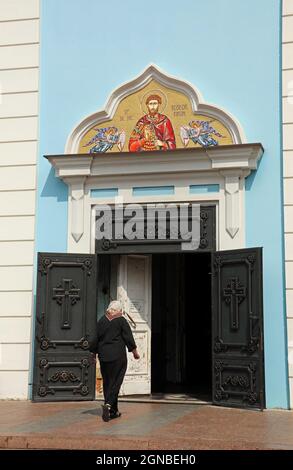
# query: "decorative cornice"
240,158
73,165
153,72
231,162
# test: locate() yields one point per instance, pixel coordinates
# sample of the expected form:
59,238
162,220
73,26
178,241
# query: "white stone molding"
226,165
232,187
244,156
76,192
79,166
153,72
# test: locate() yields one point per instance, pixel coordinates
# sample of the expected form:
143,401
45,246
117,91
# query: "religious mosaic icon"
105,139
153,131
154,118
200,132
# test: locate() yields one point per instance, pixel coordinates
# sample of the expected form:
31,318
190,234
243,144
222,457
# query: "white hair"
115,306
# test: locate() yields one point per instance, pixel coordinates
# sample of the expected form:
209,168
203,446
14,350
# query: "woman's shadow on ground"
95,411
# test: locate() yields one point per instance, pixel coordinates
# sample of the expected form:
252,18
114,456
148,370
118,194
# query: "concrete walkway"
26,425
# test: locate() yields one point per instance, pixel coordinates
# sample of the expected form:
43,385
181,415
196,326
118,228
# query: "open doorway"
181,364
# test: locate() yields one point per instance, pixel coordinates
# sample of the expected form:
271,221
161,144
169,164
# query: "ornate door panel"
157,245
238,358
134,290
65,325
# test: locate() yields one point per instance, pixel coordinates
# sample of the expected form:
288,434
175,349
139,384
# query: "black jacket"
112,337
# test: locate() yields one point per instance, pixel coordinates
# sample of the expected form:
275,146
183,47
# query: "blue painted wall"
230,49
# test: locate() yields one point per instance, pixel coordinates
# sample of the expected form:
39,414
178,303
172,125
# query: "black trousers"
113,373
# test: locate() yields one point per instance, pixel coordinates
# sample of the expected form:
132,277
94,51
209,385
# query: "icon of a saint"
154,130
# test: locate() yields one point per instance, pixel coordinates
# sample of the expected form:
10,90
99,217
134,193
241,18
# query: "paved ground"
25,425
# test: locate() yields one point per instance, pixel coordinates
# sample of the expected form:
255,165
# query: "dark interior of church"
181,325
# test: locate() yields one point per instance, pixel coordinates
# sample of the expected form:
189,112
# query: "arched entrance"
208,167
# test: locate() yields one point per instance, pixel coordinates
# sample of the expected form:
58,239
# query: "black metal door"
65,325
237,319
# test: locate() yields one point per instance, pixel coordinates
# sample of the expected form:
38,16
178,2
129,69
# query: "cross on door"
234,294
66,294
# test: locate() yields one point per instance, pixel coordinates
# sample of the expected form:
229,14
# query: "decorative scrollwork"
84,390
252,398
43,362
45,343
151,233
88,263
85,344
219,346
204,242
204,215
108,244
42,391
252,346
218,366
44,263
217,263
237,381
252,367
63,376
251,259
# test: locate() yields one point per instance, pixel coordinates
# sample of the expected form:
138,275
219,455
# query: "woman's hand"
135,354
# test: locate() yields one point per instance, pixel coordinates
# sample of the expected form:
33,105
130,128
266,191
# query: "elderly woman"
114,335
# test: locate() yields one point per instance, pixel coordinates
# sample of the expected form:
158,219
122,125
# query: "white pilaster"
19,76
287,93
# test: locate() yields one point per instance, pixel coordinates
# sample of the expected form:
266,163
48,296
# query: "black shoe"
115,414
106,412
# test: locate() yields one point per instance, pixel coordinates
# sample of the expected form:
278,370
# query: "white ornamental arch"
153,72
